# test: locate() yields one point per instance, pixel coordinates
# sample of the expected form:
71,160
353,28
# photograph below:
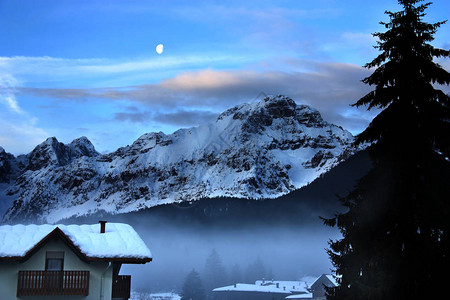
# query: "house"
81,261
263,289
244,291
277,289
318,286
295,287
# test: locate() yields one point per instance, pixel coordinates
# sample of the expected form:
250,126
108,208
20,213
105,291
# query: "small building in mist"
295,287
318,286
244,291
56,261
277,289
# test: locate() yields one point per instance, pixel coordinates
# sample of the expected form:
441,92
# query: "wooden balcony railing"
53,283
121,286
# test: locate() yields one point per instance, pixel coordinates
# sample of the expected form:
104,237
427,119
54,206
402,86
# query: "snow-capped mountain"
260,150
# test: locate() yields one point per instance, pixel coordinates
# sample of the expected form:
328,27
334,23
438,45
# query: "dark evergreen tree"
215,274
192,287
396,230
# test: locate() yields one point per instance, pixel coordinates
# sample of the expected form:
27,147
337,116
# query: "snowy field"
158,296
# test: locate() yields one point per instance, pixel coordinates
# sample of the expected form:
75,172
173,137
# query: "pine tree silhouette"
215,274
236,274
192,287
396,230
255,271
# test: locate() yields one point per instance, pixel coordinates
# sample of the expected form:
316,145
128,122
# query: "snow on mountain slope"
261,150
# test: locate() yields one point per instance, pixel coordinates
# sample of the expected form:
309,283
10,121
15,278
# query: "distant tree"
215,274
270,275
192,287
396,231
235,274
255,271
259,268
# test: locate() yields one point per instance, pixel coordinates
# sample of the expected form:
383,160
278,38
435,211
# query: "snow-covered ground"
154,296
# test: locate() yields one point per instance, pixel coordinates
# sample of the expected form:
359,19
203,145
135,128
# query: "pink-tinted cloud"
329,87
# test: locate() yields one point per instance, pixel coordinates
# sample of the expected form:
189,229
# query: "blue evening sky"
89,68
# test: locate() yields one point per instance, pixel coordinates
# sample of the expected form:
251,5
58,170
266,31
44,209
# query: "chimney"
278,285
235,285
102,226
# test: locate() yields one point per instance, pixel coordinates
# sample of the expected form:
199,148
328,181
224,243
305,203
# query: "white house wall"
9,272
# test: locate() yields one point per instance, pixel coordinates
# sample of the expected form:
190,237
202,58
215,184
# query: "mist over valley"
285,233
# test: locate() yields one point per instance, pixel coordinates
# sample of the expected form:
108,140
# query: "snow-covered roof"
154,296
300,296
332,279
327,276
244,287
120,241
293,286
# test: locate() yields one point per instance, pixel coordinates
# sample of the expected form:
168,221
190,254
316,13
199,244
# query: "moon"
160,48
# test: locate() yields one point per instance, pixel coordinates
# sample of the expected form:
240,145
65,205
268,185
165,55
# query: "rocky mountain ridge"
260,150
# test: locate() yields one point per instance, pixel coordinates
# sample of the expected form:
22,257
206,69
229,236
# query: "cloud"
329,87
7,93
44,69
186,118
134,117
20,135
11,103
151,63
181,118
18,130
83,79
205,80
253,19
41,66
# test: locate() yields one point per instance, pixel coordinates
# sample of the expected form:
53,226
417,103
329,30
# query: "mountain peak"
51,152
263,149
273,111
82,147
279,100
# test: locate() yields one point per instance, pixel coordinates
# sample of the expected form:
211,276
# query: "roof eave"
125,260
60,234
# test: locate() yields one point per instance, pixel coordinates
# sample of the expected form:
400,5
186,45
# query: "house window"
54,261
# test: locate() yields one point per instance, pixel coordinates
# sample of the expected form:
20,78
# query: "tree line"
199,286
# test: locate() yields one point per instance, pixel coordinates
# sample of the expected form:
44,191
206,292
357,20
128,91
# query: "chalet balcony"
121,286
53,283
